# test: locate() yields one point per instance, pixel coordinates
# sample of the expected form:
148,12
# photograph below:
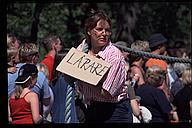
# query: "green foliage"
130,21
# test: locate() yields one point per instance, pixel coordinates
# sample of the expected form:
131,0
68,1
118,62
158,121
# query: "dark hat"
156,39
25,72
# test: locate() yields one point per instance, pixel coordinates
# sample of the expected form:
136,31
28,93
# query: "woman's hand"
136,77
12,70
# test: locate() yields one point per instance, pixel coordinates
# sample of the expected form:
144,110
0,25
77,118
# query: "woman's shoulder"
31,95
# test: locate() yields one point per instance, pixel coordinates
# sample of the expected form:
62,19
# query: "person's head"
180,68
157,42
179,49
52,42
155,76
186,77
12,58
98,28
27,78
28,53
12,41
139,46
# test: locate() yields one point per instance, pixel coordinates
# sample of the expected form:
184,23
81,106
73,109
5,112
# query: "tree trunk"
35,22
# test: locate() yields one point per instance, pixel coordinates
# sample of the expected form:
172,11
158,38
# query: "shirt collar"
101,54
104,51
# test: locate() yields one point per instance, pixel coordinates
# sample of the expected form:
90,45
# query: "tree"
35,21
130,21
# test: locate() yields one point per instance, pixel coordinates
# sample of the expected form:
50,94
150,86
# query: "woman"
24,104
108,101
183,99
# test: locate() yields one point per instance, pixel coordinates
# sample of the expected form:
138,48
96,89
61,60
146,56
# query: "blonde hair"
27,50
186,77
19,88
49,40
140,45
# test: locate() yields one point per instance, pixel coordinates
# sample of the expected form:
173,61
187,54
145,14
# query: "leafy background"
130,21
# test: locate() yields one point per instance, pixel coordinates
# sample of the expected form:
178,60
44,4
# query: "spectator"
12,52
153,98
175,70
28,54
157,44
183,99
52,45
176,74
24,104
137,72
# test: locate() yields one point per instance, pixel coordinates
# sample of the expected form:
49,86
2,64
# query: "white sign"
84,67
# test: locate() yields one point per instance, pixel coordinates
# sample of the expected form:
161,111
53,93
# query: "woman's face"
99,35
58,46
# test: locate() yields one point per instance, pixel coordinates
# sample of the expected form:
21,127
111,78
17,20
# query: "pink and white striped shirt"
113,86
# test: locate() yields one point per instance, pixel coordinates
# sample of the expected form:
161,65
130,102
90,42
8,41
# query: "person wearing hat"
29,54
24,103
157,44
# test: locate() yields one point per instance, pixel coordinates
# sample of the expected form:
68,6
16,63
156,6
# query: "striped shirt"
113,86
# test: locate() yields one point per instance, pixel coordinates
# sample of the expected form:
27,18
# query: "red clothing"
114,83
162,64
152,61
20,111
49,62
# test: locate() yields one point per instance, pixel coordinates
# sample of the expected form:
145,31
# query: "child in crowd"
24,104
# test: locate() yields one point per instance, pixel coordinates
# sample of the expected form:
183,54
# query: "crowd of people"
136,89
